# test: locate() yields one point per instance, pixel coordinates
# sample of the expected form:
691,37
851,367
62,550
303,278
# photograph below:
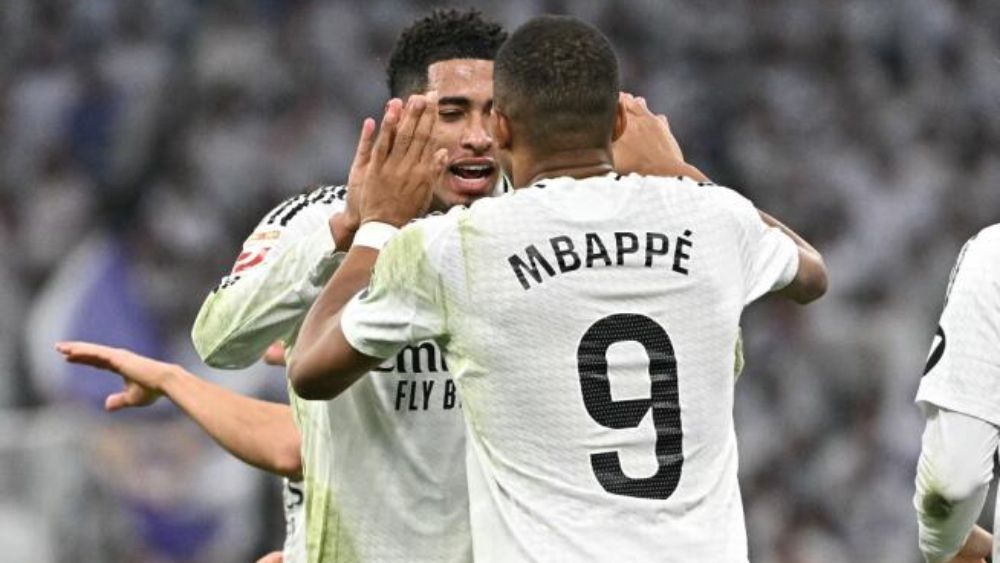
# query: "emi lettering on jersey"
421,394
565,253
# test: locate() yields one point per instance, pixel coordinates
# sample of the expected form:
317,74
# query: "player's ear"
621,120
501,128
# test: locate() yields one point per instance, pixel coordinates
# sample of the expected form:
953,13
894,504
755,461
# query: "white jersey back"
383,464
590,325
963,368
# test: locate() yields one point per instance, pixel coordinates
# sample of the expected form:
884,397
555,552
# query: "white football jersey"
963,369
383,464
293,497
590,325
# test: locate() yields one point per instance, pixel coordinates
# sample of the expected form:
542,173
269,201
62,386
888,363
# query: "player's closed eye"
451,114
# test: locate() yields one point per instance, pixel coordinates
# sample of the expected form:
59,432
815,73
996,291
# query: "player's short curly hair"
445,34
558,78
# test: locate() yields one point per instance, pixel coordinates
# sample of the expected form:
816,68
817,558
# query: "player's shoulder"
682,190
988,236
431,229
439,222
982,250
314,200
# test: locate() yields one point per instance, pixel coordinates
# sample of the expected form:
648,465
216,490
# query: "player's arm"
397,189
263,302
953,476
647,146
260,433
773,257
961,435
810,281
324,363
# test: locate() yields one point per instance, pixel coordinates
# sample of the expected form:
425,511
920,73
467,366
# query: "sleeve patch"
226,283
250,258
264,236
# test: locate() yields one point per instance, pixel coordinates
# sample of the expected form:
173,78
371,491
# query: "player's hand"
977,547
648,146
404,165
343,225
275,354
273,557
143,377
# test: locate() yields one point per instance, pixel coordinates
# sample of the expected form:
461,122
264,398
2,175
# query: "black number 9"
592,364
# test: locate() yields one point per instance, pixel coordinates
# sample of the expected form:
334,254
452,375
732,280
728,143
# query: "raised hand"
343,225
142,376
648,146
359,167
404,165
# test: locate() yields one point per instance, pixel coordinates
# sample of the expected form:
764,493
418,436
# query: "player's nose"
477,139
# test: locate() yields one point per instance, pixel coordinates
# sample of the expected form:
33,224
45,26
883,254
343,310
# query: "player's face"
465,94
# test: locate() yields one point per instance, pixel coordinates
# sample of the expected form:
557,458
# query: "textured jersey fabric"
590,325
963,367
383,464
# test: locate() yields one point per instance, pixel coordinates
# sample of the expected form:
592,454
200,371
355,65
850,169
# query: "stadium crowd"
141,140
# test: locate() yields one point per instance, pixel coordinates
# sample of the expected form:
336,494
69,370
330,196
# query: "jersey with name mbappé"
963,369
590,326
384,463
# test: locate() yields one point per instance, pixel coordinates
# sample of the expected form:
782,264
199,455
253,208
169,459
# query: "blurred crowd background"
140,140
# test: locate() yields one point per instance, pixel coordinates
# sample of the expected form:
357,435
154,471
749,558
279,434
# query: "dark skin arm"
396,189
649,147
324,364
810,282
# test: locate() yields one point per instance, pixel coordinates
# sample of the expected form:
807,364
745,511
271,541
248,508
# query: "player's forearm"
811,281
260,433
323,365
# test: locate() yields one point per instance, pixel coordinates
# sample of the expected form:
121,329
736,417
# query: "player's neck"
576,163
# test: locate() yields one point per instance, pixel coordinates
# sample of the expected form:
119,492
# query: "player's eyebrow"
455,101
463,102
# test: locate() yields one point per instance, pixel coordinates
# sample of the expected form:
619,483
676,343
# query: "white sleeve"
405,300
953,476
770,257
280,271
963,368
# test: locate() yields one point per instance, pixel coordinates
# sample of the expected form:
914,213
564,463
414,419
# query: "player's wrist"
396,217
375,234
167,378
343,226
